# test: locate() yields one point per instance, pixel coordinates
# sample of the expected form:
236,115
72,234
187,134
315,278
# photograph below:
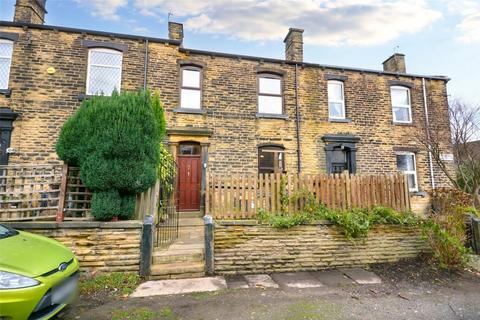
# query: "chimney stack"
294,45
175,31
396,63
30,11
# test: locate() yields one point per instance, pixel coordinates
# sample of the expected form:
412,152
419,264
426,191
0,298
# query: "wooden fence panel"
241,196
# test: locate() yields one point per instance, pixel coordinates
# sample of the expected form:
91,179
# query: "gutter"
427,129
307,64
87,31
297,114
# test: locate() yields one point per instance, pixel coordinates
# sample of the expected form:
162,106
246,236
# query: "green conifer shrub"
116,143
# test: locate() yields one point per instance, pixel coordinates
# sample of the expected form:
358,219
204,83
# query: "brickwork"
245,249
99,247
229,94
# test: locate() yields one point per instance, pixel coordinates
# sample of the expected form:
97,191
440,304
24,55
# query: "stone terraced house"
225,112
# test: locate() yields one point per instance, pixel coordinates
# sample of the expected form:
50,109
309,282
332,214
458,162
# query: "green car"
38,276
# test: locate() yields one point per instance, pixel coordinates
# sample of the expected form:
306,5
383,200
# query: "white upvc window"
336,100
191,88
104,74
270,98
401,104
406,163
6,51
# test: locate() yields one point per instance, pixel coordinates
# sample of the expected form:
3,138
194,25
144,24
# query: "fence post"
209,245
63,193
475,225
146,246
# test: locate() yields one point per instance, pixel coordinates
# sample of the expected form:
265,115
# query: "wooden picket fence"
237,196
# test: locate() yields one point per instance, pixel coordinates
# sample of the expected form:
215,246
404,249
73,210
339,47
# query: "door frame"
179,135
7,116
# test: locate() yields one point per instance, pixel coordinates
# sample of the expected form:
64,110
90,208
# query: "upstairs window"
401,104
104,73
270,99
271,159
406,164
6,51
336,100
191,88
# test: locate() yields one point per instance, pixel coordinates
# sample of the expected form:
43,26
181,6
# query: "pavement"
300,280
403,291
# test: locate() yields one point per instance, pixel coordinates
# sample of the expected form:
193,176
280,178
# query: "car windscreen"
6,232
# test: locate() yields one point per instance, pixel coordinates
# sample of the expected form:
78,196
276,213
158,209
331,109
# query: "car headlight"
10,280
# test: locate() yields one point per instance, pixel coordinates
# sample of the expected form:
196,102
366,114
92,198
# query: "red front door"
189,179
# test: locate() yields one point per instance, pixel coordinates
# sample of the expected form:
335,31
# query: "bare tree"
463,129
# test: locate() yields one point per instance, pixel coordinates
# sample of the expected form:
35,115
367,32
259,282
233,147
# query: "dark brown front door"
189,179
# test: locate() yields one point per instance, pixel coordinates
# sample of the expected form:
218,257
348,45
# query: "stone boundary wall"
244,247
99,246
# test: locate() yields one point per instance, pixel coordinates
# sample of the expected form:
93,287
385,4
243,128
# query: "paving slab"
332,278
260,281
180,286
237,282
361,276
297,280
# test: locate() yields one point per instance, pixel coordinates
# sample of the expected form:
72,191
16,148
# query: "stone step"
178,276
190,222
185,233
172,256
191,214
177,268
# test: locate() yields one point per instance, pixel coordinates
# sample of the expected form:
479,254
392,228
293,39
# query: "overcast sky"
438,37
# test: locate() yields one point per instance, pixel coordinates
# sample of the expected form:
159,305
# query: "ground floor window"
271,159
407,164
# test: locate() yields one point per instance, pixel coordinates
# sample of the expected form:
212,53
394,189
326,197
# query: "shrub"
106,204
445,228
116,143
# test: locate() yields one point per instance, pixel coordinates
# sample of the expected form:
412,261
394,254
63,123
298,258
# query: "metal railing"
167,222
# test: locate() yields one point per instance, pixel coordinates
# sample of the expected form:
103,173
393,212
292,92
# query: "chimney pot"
175,31
30,11
396,63
294,45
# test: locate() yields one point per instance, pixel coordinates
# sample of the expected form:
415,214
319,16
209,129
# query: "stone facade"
250,248
48,80
99,246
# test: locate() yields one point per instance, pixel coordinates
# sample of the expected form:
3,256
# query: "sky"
438,37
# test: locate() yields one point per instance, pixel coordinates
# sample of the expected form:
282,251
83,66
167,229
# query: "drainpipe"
297,113
427,129
145,66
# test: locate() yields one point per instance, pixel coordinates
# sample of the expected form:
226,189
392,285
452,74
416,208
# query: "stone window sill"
346,120
190,111
422,194
271,116
404,124
6,92
83,96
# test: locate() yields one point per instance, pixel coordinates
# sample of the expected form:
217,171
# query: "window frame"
12,43
276,163
106,50
275,76
182,87
405,172
407,106
337,101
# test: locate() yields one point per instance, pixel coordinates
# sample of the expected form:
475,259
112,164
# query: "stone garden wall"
99,246
243,247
